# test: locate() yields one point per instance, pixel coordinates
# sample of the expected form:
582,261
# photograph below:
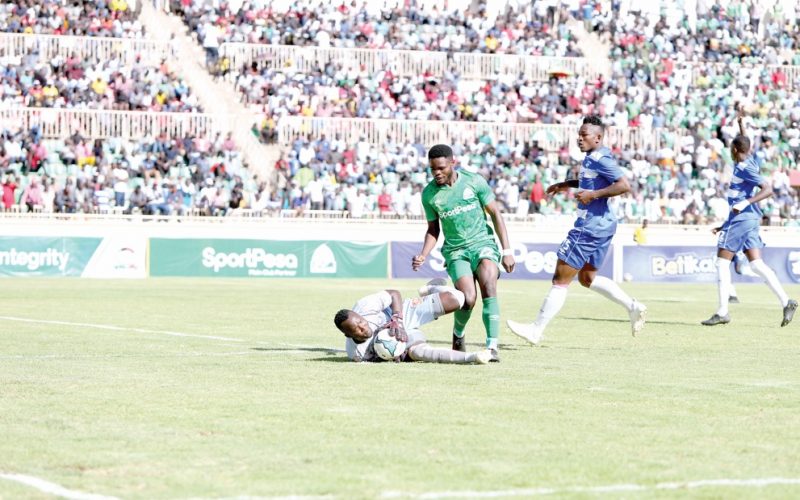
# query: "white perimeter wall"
351,230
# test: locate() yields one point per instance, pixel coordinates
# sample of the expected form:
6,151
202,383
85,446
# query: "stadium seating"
114,18
93,83
669,93
517,31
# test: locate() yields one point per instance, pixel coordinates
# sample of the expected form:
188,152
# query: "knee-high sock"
460,319
763,270
723,284
424,352
610,290
732,290
553,303
491,321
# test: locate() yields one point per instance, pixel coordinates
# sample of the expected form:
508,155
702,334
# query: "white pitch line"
53,488
118,328
611,488
298,347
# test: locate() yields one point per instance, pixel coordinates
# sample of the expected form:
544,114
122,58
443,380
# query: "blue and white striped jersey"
598,170
746,178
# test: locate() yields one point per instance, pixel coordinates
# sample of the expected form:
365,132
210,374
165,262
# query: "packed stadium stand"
342,100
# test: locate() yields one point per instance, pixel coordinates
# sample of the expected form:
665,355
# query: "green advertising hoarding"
45,256
267,258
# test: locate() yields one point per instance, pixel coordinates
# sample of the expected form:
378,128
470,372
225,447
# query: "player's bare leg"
465,284
487,274
553,302
612,291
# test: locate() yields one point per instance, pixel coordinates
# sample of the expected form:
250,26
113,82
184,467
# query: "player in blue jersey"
740,231
583,251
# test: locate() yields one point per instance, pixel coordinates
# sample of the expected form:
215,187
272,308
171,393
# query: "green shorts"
465,261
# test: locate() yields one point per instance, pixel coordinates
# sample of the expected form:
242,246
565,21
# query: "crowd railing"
102,48
405,63
60,123
379,131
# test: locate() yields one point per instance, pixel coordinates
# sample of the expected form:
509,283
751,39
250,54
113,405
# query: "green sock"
461,317
491,321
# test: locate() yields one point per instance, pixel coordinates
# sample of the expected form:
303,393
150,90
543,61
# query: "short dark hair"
741,143
594,120
341,317
440,151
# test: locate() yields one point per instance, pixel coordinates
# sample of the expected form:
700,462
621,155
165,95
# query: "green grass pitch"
255,404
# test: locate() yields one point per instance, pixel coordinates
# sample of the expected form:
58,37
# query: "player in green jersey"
456,202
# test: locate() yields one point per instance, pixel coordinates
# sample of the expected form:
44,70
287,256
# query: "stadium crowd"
679,74
72,82
106,18
518,30
330,174
154,175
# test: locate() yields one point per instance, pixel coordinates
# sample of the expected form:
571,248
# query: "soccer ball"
627,277
386,346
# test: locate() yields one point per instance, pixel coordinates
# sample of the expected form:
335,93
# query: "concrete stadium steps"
216,97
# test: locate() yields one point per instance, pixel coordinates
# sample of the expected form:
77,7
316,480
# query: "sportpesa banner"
267,258
534,261
113,257
698,264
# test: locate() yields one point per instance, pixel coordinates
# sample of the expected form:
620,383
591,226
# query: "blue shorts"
580,248
740,235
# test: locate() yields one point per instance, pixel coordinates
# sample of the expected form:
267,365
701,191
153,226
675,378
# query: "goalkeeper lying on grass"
387,309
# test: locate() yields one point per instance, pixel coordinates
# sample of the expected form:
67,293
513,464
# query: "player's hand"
509,263
715,230
417,261
556,188
397,330
586,196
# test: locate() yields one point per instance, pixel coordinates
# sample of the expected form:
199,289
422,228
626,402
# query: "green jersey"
459,209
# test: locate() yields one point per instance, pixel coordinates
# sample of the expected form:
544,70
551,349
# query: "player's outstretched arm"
502,234
431,236
561,186
740,120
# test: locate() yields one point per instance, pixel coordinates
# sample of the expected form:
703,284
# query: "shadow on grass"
332,356
331,352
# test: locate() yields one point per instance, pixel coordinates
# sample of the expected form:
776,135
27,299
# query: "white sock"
610,290
553,303
439,289
723,285
763,270
732,291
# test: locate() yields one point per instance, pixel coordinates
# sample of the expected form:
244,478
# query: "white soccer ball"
627,277
386,346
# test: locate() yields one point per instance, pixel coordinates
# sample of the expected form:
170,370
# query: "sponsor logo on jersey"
793,265
468,193
458,210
